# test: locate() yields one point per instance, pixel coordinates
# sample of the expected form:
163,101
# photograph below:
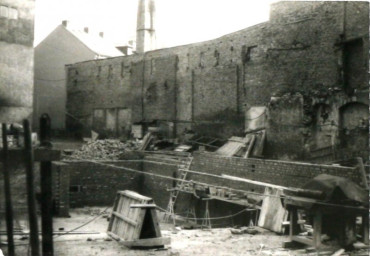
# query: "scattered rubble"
108,149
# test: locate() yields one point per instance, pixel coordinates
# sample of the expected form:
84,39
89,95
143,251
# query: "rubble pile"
108,149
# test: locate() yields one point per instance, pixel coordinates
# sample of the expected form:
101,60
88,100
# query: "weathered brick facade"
314,51
16,59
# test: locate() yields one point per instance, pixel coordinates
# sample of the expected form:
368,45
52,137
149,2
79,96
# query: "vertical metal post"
46,190
28,152
8,202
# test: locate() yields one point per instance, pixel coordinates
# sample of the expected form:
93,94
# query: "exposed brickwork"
299,50
99,183
61,180
290,174
96,184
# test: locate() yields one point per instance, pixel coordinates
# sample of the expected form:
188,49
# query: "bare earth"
183,242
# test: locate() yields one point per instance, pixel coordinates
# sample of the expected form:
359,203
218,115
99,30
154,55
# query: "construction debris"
108,149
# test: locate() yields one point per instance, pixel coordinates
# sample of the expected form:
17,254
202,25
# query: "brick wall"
61,181
207,86
97,184
156,187
16,58
290,174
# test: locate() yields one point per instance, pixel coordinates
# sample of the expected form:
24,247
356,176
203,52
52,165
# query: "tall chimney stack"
145,30
65,23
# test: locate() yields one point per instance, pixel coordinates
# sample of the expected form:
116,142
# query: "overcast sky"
177,21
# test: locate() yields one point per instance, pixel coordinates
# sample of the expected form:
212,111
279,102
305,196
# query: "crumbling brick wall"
208,86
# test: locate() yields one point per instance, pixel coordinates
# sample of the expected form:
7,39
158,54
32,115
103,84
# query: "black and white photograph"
184,127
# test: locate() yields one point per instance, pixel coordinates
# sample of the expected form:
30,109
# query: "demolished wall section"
208,86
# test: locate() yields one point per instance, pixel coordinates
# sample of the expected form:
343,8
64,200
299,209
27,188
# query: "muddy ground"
183,242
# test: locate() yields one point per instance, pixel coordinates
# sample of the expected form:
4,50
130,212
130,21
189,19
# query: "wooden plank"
157,229
115,204
134,195
149,242
264,184
317,224
361,169
303,240
272,211
143,206
298,191
114,236
250,147
125,219
140,221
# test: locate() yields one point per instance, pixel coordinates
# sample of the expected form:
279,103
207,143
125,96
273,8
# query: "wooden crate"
134,221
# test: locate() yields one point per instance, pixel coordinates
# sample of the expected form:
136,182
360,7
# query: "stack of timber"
134,221
251,145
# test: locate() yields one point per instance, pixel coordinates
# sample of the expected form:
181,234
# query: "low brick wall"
93,184
97,183
290,174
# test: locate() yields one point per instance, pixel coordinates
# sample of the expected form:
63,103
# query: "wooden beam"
143,206
124,218
259,183
300,192
32,215
149,242
46,190
303,240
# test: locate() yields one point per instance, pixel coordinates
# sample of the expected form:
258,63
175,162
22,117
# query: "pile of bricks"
108,149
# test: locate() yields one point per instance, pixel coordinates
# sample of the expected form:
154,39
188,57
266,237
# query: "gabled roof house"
64,45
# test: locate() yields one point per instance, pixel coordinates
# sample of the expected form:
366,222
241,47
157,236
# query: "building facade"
16,60
62,46
308,65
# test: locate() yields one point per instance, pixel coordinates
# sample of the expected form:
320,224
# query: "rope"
84,224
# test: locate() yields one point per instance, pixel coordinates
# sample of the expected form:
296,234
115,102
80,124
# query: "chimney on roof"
101,34
145,28
65,23
86,29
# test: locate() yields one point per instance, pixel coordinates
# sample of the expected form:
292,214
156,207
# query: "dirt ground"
183,242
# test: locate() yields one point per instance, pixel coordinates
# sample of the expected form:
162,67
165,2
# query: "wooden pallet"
134,221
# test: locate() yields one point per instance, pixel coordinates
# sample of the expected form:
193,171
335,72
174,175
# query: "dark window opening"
122,69
75,188
246,53
354,66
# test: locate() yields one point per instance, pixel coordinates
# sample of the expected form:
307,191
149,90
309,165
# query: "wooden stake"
8,201
46,191
34,236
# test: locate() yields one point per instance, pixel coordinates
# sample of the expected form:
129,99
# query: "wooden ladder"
183,170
